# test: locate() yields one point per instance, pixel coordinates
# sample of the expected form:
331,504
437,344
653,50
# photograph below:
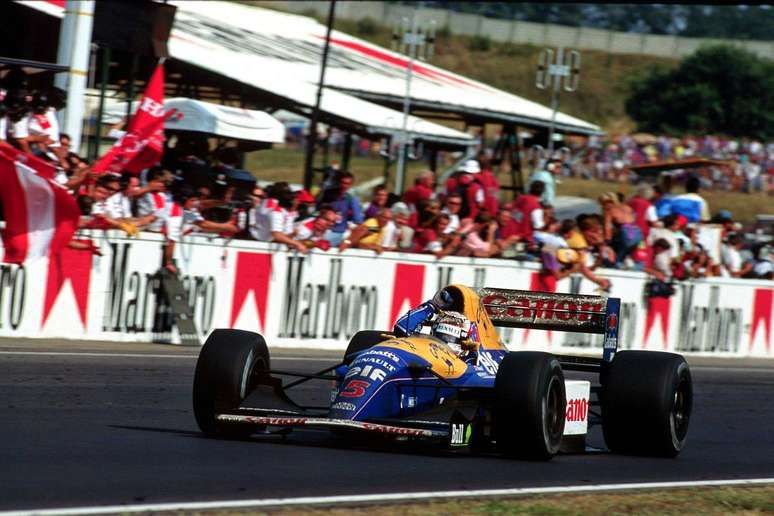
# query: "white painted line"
106,354
376,498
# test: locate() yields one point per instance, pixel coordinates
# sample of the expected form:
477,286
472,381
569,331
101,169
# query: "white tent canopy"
215,119
279,54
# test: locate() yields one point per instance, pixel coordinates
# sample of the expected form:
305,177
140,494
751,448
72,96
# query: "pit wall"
321,299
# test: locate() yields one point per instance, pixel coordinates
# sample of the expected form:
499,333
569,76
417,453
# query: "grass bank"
733,501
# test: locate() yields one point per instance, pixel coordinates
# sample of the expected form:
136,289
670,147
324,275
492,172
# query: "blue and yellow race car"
444,375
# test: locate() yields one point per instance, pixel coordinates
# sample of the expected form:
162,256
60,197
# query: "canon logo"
541,308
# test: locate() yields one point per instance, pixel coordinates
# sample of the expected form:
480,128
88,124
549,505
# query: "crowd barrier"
319,300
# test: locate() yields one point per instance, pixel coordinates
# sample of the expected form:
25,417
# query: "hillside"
603,85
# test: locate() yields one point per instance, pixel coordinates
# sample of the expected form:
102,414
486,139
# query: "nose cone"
367,389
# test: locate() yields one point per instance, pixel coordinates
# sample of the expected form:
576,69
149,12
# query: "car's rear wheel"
530,406
647,399
231,364
363,340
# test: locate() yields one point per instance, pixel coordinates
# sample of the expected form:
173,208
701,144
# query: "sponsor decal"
762,304
577,410
376,361
367,371
13,287
612,322
473,334
343,405
328,310
708,328
136,301
407,289
355,389
657,307
488,362
611,342
381,353
73,265
253,274
460,434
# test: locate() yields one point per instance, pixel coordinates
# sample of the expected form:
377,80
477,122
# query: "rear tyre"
647,399
231,364
363,340
530,407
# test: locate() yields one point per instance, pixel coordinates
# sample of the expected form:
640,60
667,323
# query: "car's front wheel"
231,364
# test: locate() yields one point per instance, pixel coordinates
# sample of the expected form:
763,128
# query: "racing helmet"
452,328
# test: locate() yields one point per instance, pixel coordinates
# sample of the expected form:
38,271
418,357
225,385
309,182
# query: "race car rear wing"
550,311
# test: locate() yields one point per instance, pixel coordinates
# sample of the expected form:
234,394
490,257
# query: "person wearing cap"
465,183
422,189
556,263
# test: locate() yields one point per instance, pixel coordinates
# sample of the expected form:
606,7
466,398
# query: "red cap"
304,197
682,221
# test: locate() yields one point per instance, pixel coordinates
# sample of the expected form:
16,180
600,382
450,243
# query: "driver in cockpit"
449,326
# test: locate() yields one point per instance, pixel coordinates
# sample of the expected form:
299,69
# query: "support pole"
554,104
346,152
400,174
130,91
311,141
77,55
102,89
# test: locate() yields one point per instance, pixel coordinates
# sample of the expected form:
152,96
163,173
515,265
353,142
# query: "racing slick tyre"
363,339
530,406
646,397
231,364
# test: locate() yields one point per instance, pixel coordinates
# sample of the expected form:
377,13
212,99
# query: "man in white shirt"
733,263
275,216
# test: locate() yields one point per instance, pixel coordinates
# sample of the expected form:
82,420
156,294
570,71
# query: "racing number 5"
355,389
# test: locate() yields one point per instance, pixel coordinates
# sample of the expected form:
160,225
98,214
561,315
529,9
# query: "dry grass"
747,501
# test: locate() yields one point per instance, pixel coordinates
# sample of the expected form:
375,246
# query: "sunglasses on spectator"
454,203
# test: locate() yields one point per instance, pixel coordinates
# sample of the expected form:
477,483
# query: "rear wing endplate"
550,311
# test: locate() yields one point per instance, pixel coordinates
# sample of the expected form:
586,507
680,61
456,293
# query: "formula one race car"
444,375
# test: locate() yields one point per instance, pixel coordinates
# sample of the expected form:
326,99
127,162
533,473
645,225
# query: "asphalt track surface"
88,424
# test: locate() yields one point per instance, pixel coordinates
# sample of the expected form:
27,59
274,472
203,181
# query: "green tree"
719,89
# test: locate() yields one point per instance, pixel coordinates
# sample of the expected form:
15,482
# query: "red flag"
143,144
40,215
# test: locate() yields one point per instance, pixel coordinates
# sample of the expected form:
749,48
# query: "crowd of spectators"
197,189
740,165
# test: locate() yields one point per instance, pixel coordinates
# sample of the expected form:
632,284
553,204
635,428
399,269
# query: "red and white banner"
143,144
321,299
40,215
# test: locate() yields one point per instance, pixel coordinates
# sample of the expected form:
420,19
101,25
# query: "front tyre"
530,407
362,340
231,364
647,399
